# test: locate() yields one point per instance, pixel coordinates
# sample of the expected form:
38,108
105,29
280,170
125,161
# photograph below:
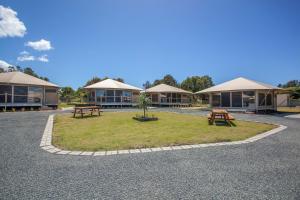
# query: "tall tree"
44,78
30,72
81,93
119,79
18,68
295,92
95,79
147,85
291,83
157,82
11,69
66,94
169,80
197,83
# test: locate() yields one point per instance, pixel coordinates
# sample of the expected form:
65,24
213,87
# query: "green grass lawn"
64,105
117,130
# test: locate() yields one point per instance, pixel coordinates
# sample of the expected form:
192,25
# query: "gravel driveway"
266,169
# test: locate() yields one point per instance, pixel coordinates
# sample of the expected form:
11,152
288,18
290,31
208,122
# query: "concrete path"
266,169
296,116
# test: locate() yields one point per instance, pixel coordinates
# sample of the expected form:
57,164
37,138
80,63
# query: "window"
163,98
110,96
261,99
225,99
269,100
173,97
169,98
185,98
178,98
118,94
236,99
127,96
5,94
48,90
20,94
216,100
35,94
154,97
91,95
100,95
248,98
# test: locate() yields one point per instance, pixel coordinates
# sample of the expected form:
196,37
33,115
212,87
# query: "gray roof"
23,79
166,88
239,84
112,84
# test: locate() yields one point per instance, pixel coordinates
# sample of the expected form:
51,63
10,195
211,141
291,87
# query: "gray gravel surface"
266,169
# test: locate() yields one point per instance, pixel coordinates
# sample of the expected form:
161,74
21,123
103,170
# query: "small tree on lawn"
144,102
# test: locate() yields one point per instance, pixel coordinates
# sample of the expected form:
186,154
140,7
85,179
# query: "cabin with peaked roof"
18,89
112,93
242,94
166,95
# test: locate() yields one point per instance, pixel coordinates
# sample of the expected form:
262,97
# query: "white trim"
46,143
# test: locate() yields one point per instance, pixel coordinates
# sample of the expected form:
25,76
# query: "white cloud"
10,25
41,45
25,56
4,65
24,53
43,58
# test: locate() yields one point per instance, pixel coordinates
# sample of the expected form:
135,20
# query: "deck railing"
166,100
114,99
20,99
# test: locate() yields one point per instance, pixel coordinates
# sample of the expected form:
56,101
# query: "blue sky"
141,40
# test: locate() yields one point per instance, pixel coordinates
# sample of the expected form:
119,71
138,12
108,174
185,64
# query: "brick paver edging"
46,143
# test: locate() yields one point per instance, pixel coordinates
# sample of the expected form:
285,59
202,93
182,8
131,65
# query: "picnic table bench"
219,114
86,109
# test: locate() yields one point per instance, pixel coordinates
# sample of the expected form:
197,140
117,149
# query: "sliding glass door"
35,94
216,100
5,94
236,99
20,94
225,99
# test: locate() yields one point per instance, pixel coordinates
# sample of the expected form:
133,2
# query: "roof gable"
112,84
166,88
239,84
22,78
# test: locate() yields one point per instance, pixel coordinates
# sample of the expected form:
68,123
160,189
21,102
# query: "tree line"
26,70
191,83
293,86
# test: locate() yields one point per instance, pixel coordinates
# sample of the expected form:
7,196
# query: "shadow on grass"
86,116
223,123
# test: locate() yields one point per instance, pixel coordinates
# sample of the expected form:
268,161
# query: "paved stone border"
46,143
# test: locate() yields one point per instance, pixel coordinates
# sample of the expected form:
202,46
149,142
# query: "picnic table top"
88,107
219,111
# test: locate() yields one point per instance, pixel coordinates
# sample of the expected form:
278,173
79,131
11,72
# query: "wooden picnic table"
84,109
219,114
